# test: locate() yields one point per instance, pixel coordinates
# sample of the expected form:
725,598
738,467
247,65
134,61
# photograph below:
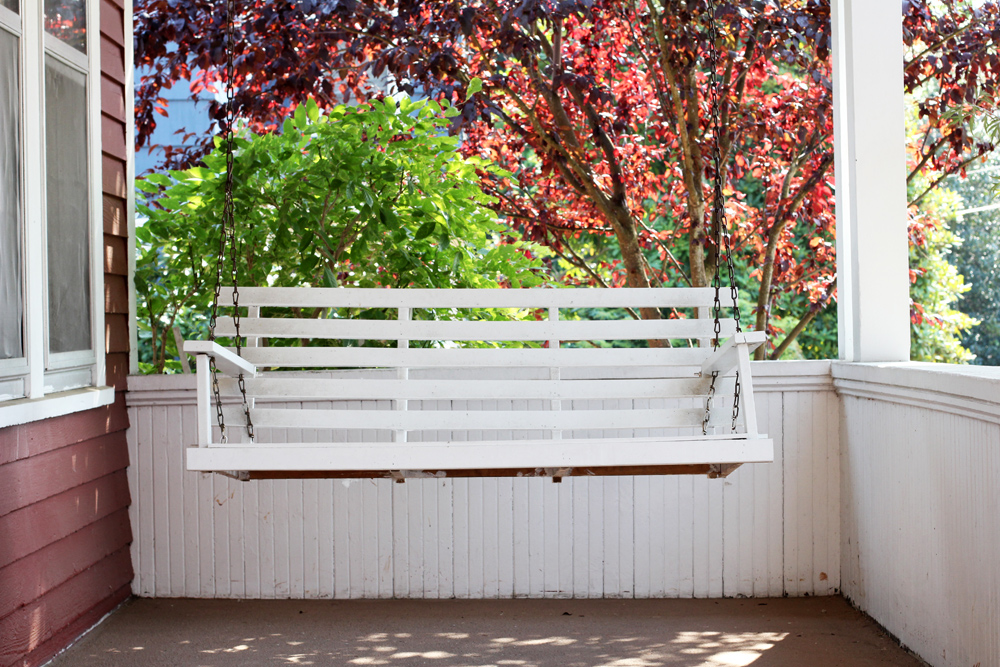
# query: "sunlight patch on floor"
695,649
724,649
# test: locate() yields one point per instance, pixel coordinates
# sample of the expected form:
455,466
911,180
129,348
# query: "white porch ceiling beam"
872,254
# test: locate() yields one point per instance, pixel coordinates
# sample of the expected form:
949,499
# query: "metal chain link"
219,263
228,235
229,210
722,238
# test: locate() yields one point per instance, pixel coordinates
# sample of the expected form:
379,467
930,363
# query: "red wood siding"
20,442
116,368
115,222
30,579
113,176
64,551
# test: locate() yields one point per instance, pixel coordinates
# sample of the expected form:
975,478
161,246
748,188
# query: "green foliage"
976,259
937,326
981,119
369,196
936,285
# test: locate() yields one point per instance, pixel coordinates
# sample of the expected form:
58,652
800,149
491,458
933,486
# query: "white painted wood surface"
921,505
348,297
873,290
562,421
767,530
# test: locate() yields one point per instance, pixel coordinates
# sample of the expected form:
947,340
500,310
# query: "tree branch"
814,310
927,156
948,172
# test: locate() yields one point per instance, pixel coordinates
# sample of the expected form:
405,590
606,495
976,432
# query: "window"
51,327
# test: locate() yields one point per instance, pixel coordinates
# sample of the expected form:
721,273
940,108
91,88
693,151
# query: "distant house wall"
64,525
185,115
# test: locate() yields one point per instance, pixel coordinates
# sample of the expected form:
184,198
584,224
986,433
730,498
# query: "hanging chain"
227,235
221,256
719,224
229,210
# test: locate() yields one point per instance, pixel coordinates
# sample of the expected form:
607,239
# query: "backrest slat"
368,357
337,297
462,330
322,389
460,420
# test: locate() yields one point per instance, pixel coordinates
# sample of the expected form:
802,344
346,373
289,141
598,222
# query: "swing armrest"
727,356
227,362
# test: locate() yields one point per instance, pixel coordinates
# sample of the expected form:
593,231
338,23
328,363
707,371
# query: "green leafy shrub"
369,196
936,286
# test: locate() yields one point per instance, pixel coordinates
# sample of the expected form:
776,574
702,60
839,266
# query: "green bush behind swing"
375,195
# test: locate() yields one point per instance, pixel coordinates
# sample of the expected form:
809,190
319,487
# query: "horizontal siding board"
112,60
116,370
28,481
18,442
30,578
34,527
72,631
113,137
31,626
112,22
116,332
115,294
115,255
115,221
113,179
113,99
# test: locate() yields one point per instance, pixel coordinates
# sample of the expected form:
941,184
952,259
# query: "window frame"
55,383
14,370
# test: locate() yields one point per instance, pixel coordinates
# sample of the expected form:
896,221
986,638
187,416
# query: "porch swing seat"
446,394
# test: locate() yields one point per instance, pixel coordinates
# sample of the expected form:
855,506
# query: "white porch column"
873,284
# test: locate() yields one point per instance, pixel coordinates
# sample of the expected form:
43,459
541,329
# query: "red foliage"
601,110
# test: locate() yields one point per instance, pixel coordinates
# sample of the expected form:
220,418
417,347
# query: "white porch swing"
442,409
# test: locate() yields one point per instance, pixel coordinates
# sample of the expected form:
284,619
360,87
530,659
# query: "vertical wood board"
488,537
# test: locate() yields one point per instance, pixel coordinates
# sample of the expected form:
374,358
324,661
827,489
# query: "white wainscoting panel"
921,506
767,530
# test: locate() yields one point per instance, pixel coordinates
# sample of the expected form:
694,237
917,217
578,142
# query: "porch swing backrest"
427,386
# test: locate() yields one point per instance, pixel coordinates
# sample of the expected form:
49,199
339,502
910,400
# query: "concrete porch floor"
818,632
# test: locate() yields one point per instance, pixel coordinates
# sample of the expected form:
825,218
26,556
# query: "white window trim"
10,20
61,399
26,410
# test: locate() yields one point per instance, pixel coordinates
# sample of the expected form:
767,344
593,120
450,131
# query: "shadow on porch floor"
818,632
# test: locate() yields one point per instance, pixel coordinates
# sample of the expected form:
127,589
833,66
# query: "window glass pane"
11,5
67,208
67,20
11,306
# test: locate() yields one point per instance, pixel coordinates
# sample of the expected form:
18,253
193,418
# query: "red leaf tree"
605,112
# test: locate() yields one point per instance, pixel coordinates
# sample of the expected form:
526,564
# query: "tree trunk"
698,256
